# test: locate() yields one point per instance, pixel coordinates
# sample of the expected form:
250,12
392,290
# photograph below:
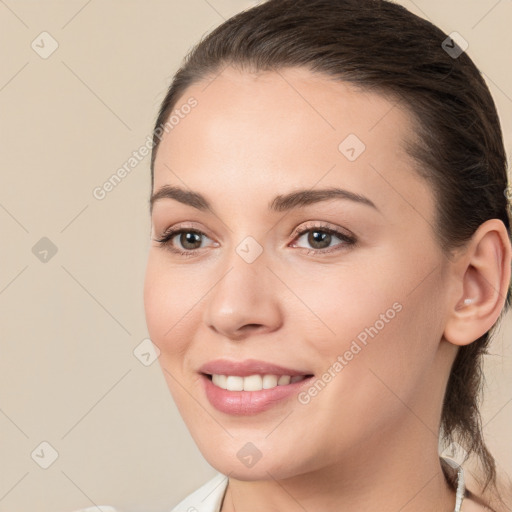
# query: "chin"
244,461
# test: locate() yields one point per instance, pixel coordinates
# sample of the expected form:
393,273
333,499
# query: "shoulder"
207,498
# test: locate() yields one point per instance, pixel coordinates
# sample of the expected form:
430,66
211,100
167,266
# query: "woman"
331,251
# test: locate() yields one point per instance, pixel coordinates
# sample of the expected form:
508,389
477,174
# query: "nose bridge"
245,294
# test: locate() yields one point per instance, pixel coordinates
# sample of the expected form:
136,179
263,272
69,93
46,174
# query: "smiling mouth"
257,382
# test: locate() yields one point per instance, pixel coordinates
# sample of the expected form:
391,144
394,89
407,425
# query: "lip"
248,367
244,403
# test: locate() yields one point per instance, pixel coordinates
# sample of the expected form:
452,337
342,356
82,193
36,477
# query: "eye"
320,238
189,240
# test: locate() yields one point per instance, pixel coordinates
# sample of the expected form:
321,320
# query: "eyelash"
346,240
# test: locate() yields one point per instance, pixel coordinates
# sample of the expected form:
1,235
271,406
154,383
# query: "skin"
369,439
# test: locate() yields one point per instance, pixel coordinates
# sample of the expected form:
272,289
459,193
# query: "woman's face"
274,276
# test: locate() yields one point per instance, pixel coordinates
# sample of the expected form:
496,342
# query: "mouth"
250,387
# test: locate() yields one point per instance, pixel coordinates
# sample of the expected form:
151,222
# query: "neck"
386,473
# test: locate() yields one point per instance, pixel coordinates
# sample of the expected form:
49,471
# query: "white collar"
208,498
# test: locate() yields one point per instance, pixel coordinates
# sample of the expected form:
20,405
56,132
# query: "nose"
245,300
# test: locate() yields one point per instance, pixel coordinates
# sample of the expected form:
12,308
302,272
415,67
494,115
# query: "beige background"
68,327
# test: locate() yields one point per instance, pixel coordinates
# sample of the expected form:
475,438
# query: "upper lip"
246,368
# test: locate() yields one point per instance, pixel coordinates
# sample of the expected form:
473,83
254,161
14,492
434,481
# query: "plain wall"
69,325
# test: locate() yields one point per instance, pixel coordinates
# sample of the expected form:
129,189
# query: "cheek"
369,383
166,314
388,347
156,301
344,304
171,300
165,310
385,327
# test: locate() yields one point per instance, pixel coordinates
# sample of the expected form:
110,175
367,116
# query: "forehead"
289,128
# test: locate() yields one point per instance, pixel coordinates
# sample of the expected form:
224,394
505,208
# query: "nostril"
251,327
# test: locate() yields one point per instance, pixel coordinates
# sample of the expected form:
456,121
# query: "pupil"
319,237
190,238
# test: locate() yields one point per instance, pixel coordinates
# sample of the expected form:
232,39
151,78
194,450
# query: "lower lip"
243,403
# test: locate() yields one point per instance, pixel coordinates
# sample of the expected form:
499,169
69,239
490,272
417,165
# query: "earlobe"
482,282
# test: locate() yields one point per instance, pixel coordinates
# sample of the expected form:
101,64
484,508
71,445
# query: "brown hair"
378,45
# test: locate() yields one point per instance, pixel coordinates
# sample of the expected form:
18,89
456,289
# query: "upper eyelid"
321,225
186,226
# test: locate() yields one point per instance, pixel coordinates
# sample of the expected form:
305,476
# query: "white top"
208,498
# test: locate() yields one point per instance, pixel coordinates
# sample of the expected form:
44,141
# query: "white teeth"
269,381
234,383
284,380
254,382
220,380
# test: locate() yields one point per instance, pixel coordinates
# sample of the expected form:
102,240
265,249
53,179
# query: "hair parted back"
381,46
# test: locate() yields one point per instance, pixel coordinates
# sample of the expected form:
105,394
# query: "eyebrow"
280,203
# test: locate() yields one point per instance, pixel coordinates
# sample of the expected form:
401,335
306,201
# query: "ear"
481,282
